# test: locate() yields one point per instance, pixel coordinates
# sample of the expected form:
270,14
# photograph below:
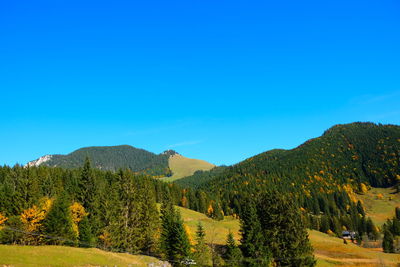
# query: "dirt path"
350,260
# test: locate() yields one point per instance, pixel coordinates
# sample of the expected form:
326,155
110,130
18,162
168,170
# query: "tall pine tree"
201,250
284,232
252,241
233,255
175,243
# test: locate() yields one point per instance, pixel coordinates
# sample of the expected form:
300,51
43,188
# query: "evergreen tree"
252,241
12,233
125,229
371,230
397,212
233,255
88,195
86,238
283,231
218,213
58,222
150,221
201,254
360,208
395,229
175,243
387,243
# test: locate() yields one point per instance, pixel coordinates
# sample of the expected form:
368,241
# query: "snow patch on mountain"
39,161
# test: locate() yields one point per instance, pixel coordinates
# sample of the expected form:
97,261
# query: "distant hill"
111,158
351,153
169,164
323,174
182,166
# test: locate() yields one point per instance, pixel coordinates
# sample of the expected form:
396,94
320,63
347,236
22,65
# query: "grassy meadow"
182,167
379,204
61,256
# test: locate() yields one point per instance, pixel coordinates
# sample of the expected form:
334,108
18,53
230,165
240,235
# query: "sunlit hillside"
380,203
182,167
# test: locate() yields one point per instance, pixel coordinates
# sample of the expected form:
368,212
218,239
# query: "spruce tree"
89,195
175,243
58,222
125,223
283,231
149,222
387,243
233,255
86,238
252,241
201,254
397,213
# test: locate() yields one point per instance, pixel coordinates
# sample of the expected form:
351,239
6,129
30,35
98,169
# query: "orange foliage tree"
78,213
32,219
3,219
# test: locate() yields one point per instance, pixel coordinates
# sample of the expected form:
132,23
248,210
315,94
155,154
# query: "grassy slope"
329,251
216,231
380,209
67,256
182,167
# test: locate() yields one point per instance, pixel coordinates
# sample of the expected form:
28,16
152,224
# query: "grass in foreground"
182,167
61,256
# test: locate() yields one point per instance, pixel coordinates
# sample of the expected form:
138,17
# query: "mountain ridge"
166,164
110,158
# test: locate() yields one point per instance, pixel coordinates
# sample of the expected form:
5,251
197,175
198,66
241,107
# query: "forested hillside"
112,158
322,175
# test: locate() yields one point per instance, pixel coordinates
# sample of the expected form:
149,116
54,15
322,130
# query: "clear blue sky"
215,80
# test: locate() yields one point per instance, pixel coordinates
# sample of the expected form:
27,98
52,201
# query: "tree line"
87,207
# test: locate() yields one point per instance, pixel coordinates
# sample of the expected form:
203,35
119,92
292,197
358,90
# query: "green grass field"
216,231
182,167
380,209
60,256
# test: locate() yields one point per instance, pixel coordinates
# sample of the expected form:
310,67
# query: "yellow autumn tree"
363,188
184,202
78,213
3,219
210,209
105,239
32,219
189,235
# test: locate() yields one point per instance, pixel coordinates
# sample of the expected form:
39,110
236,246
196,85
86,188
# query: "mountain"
169,164
111,158
322,175
350,153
